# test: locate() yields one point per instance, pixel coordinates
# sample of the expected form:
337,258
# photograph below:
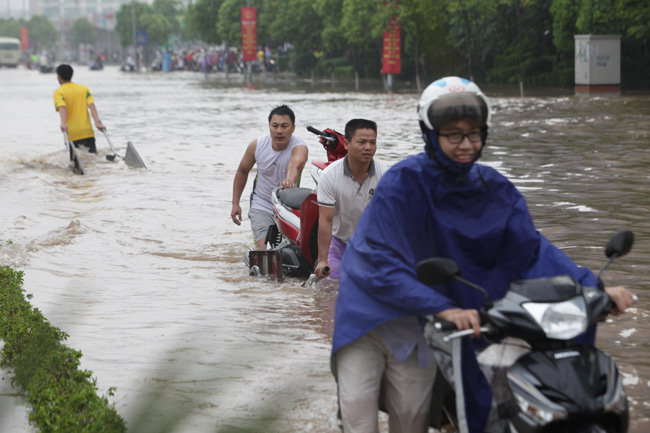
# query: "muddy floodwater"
144,268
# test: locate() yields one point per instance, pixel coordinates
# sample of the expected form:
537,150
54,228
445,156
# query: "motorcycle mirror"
620,244
437,270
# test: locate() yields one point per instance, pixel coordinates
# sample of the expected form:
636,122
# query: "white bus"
9,52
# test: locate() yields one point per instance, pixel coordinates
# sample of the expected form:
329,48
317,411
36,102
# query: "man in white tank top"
280,158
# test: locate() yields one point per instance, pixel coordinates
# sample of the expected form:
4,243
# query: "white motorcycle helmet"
452,99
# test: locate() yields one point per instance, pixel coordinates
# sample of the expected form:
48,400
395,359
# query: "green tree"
565,14
597,17
83,32
363,24
171,10
302,28
635,17
468,17
41,32
11,28
518,6
630,19
423,20
332,36
201,18
123,25
147,19
229,22
157,26
521,45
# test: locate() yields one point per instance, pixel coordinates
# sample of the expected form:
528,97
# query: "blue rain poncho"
430,206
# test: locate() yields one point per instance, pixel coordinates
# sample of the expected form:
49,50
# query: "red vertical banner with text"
24,38
392,55
249,33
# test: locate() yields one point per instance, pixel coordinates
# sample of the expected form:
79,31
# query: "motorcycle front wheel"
583,428
591,428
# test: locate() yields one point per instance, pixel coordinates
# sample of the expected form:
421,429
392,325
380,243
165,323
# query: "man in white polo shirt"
344,190
280,157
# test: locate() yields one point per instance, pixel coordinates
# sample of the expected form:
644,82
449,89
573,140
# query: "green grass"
63,397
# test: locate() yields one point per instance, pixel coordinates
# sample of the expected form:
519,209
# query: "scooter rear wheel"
255,271
593,428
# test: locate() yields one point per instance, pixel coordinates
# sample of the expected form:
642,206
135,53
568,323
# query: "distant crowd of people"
215,60
204,60
198,60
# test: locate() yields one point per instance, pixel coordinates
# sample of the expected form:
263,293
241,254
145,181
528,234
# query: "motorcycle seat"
293,197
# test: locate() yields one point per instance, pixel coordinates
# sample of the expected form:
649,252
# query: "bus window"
9,52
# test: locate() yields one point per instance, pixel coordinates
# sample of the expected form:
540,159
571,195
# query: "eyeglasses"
458,137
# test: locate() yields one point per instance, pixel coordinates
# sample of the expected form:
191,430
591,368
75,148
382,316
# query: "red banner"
249,33
392,56
24,38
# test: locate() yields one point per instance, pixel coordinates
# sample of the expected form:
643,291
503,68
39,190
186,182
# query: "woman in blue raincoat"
439,203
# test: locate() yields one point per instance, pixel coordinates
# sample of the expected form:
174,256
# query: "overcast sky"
17,8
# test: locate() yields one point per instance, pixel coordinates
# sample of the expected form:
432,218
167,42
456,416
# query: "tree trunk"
417,63
226,48
519,42
469,45
356,73
311,67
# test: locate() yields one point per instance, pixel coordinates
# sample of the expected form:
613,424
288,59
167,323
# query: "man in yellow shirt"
73,101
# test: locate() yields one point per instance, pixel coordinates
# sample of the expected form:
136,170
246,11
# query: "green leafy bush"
63,398
344,72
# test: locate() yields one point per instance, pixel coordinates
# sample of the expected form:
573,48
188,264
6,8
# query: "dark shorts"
89,143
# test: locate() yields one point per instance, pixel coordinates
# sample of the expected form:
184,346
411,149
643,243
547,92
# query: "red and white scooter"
293,240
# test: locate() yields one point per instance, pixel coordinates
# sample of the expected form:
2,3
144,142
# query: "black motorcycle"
541,380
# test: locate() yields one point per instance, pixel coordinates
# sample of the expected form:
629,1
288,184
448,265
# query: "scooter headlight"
534,411
533,404
560,320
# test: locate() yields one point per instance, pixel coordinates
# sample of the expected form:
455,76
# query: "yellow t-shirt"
75,98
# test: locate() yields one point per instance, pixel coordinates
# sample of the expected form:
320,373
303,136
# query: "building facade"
102,14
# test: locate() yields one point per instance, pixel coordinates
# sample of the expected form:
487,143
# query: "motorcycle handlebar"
314,130
323,135
445,326
453,332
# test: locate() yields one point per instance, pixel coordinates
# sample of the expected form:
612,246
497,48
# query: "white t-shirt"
272,166
338,188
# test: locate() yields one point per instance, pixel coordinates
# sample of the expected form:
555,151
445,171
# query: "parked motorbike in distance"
295,232
541,380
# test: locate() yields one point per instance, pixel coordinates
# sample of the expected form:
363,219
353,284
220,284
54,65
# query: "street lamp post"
62,29
135,46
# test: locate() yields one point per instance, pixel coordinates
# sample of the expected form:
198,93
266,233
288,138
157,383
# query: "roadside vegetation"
63,397
494,41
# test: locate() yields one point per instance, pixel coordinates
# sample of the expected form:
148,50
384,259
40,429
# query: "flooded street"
144,268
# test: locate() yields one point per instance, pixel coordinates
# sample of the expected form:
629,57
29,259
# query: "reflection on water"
144,269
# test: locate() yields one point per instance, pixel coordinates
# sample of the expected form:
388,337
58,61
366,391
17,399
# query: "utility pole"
135,46
62,29
249,64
